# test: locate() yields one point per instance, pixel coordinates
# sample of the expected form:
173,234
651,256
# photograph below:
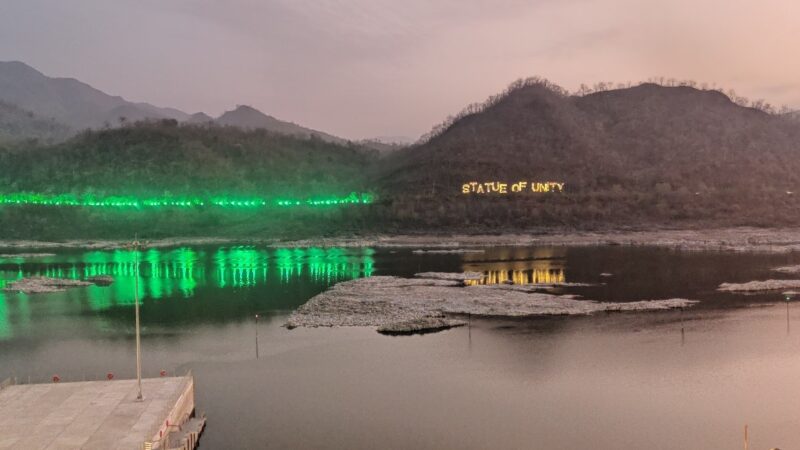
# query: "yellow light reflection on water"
546,267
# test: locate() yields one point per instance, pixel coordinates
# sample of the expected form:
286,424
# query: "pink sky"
365,68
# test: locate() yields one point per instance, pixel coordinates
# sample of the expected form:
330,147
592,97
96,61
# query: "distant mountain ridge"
71,102
200,118
247,117
77,106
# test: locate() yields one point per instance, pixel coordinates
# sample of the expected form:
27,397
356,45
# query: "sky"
370,68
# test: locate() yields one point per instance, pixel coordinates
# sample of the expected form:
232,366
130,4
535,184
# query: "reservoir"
660,380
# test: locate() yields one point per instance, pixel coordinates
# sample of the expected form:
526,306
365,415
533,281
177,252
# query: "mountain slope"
17,124
81,106
70,101
646,154
249,118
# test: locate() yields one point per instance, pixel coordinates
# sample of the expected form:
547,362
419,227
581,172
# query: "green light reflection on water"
5,325
152,258
166,274
162,273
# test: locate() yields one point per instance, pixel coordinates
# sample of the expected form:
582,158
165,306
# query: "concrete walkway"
100,415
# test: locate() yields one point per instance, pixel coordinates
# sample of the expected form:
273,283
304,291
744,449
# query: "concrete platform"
100,415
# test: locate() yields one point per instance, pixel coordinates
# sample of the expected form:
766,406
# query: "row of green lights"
28,198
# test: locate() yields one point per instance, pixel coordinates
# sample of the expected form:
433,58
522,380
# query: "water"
654,380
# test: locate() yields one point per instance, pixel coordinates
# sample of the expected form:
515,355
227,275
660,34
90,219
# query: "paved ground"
101,415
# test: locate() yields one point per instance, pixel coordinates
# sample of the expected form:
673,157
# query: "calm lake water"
659,380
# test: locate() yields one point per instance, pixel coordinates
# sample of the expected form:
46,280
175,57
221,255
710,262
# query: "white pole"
256,336
139,397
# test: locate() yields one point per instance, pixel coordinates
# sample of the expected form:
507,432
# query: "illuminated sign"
502,188
29,198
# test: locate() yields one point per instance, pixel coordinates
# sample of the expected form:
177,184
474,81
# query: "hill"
249,118
168,160
200,118
70,101
645,155
79,106
17,124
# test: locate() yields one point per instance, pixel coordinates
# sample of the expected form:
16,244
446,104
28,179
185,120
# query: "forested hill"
168,163
648,154
154,158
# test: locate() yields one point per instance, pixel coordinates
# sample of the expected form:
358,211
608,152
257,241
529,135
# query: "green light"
89,200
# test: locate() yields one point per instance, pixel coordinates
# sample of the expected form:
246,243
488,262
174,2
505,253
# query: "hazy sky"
363,68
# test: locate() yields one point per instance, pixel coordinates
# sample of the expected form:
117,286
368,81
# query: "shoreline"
743,239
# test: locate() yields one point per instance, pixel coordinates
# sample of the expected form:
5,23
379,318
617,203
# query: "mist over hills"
17,124
77,106
69,101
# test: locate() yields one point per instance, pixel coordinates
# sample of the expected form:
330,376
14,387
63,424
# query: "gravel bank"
25,255
787,269
45,285
421,326
744,239
759,286
388,302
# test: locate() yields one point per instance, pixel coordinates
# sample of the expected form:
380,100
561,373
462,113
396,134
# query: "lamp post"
256,336
788,295
139,396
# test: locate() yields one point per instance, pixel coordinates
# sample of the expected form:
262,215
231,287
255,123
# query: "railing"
161,442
